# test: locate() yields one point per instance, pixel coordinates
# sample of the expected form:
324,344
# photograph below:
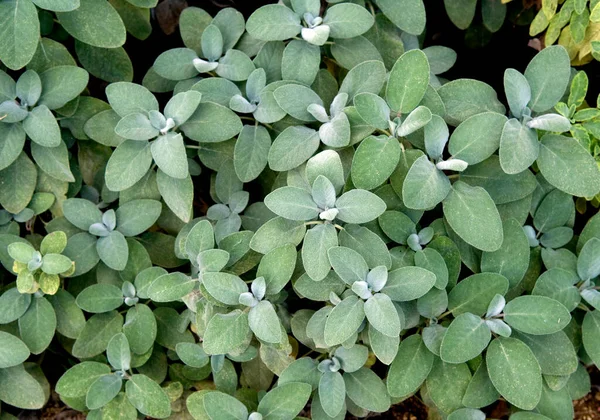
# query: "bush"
375,230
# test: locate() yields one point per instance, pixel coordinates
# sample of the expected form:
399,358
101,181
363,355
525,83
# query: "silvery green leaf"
264,322
466,337
136,126
413,242
426,235
361,288
497,326
12,112
496,306
417,119
224,287
300,62
238,201
109,218
329,214
248,299
531,236
588,262
344,320
318,111
317,241
323,193
235,66
240,104
452,164
348,264
41,127
292,147
273,23
408,82
592,297
255,84
98,229
518,92
181,106
436,137
332,393
29,88
382,315
203,66
292,203
377,278
550,122
548,74
359,206
259,288
212,43
367,77
424,186
118,352
372,109
338,104
218,212
374,161
316,36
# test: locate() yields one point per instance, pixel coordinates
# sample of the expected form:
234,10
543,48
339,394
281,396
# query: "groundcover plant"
293,215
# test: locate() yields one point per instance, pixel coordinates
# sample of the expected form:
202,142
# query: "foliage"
315,217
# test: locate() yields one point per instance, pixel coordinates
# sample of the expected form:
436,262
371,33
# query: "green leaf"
472,214
447,384
136,126
477,138
464,98
554,211
410,367
251,152
512,259
140,328
212,123
348,264
566,165
515,372
226,332
466,337
264,322
431,260
11,147
292,203
461,12
219,405
75,382
374,161
367,77
372,109
292,147
557,284
176,64
12,350
148,397
277,232
178,194
96,334
317,242
344,320
591,335
518,92
137,216
537,315
368,244
548,75
519,147
81,249
554,352
102,391
113,250
365,389
37,325
20,389
235,66
332,393
127,98
408,81
348,20
69,318
359,206
171,287
273,23
41,127
108,64
424,186
118,352
128,164
95,23
475,293
382,315
408,283
294,99
192,354
55,264
285,401
53,160
588,262
224,287
81,213
408,15
21,33
502,187
99,298
62,84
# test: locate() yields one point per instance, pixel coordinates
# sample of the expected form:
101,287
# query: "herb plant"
295,215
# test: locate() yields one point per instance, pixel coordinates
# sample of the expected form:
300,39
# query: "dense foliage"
295,214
